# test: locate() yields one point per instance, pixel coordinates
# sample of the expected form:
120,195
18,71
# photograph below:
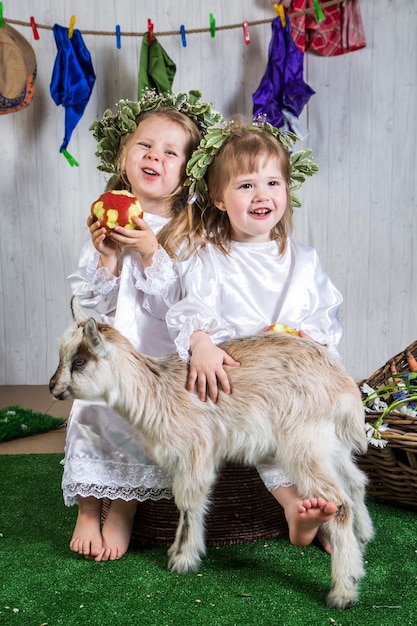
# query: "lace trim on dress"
108,479
141,494
158,276
273,477
100,279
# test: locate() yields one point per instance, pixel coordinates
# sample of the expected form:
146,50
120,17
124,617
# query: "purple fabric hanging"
282,86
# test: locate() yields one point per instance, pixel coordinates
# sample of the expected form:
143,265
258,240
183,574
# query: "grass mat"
15,422
268,583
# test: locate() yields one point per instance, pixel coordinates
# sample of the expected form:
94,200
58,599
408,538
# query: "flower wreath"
214,138
113,126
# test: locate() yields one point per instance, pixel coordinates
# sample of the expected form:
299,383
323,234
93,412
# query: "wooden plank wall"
359,212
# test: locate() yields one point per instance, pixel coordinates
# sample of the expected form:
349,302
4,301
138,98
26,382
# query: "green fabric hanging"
156,69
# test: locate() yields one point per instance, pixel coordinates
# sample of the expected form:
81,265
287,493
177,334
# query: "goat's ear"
95,341
76,311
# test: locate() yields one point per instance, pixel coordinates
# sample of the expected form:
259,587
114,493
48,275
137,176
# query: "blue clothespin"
212,25
118,37
183,37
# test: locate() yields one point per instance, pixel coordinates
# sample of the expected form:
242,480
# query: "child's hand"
143,239
206,367
102,244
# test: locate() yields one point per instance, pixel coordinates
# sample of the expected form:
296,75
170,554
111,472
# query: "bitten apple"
282,328
116,208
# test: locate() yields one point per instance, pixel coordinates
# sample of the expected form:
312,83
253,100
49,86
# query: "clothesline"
311,11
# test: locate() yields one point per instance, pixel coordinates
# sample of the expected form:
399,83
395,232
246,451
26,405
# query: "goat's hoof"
336,601
181,564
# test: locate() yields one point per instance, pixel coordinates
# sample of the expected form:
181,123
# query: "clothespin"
183,37
280,11
150,31
1,14
69,158
118,37
246,33
319,12
71,27
212,25
34,28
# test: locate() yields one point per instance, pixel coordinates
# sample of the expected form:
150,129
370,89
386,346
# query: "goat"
292,403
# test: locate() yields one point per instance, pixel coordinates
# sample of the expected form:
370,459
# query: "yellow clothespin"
279,10
71,27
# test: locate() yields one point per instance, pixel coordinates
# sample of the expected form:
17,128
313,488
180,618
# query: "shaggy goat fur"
292,403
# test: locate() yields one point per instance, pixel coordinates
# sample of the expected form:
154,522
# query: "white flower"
373,435
10,412
24,426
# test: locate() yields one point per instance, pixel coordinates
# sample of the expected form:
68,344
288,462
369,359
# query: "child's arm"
206,367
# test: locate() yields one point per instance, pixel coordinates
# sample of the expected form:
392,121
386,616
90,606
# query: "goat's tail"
350,422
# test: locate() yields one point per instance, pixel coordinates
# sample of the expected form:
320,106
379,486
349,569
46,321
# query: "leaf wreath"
301,163
113,126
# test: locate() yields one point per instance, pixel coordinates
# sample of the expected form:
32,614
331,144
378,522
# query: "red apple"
116,208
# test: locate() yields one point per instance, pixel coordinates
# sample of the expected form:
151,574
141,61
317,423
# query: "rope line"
189,31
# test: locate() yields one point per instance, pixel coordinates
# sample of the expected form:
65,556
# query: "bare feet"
304,521
86,538
117,530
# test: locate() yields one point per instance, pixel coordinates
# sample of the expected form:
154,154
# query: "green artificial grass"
15,422
268,583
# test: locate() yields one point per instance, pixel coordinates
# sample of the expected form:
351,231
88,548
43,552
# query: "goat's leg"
192,500
355,480
346,559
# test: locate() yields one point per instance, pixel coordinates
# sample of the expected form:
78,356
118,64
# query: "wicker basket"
242,510
393,470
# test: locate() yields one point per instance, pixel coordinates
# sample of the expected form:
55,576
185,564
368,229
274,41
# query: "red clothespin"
34,28
71,27
246,33
118,37
280,11
183,36
150,31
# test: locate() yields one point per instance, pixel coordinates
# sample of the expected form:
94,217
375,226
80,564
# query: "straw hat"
17,71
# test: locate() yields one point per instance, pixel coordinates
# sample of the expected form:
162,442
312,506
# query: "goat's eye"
78,362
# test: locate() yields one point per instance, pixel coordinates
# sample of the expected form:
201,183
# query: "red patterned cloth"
340,32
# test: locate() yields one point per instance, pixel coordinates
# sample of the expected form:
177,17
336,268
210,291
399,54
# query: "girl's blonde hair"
242,153
186,226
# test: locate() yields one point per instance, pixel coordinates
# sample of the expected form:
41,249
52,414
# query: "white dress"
249,289
103,453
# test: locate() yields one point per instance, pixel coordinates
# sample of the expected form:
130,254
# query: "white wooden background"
359,212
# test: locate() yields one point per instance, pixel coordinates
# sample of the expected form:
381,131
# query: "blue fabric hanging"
282,87
73,77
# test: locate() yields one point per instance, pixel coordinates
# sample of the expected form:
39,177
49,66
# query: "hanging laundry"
341,30
73,77
282,92
156,69
17,71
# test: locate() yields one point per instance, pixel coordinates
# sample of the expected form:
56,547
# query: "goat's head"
83,359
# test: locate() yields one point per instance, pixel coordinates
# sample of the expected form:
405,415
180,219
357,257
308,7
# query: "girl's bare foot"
117,530
305,519
86,538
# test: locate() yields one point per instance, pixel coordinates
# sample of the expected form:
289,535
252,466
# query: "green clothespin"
69,158
319,12
1,14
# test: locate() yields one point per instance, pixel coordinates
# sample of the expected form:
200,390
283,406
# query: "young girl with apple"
145,146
